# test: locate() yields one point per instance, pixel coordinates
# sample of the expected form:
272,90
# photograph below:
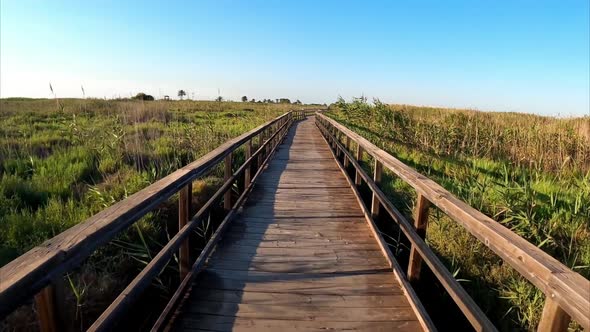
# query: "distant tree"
284,101
219,99
298,102
143,96
244,99
252,100
181,94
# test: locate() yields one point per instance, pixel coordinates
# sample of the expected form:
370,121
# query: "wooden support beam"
377,171
248,171
227,174
260,155
48,310
359,157
420,223
184,211
346,162
554,318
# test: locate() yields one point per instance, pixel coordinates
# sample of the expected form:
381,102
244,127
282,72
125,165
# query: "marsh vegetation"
529,173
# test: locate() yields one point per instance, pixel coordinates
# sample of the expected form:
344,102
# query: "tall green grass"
530,173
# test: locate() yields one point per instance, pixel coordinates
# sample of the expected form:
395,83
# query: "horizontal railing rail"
567,292
39,271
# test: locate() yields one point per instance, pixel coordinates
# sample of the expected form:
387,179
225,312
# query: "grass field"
530,173
63,161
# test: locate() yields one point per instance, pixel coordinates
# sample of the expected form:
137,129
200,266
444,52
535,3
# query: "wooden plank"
296,267
308,240
383,281
262,228
299,252
318,287
293,243
294,299
310,313
224,323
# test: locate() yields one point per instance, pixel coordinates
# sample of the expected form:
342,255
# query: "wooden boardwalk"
300,256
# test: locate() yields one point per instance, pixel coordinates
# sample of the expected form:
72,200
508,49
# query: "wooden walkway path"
300,256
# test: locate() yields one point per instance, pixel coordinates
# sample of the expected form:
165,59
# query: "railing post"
273,141
227,174
184,210
346,162
260,143
50,310
334,138
248,170
266,136
421,223
554,318
377,178
359,158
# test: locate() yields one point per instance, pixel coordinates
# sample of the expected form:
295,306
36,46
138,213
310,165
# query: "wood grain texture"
299,255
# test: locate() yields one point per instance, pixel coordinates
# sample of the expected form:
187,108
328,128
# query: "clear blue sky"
527,56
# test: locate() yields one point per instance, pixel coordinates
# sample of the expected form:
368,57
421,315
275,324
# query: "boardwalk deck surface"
299,257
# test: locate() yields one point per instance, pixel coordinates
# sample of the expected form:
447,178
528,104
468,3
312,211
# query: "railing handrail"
570,290
28,274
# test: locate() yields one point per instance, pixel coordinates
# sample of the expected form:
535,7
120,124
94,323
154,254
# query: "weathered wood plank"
420,222
312,313
225,323
294,299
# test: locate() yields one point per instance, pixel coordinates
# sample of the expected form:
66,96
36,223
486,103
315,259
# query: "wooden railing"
302,114
567,293
40,271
